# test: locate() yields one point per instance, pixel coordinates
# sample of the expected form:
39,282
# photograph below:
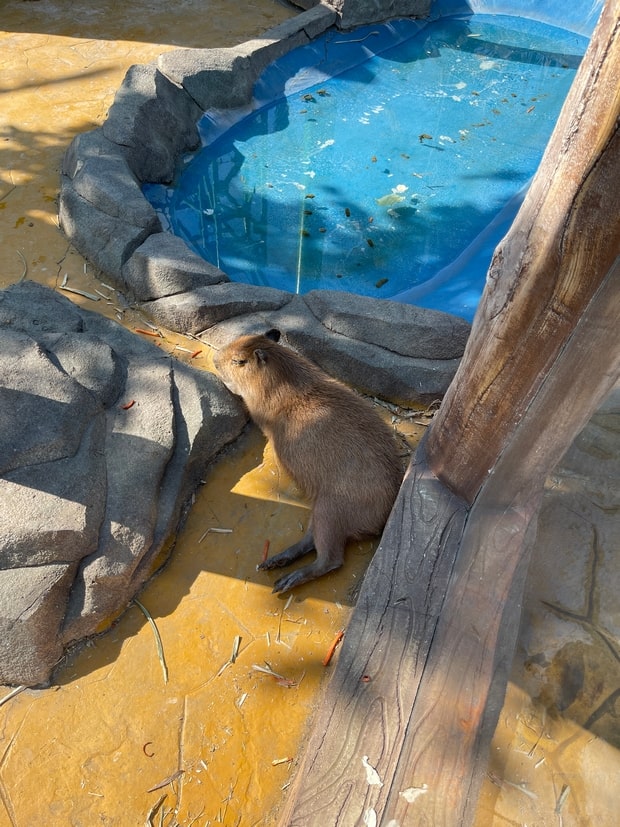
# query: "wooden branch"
456,708
559,248
369,698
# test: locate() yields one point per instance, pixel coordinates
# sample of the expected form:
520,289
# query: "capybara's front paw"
290,580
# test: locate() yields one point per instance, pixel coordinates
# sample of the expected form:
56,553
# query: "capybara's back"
332,442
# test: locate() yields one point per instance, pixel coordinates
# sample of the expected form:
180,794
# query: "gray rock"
93,489
372,369
48,312
224,78
214,78
359,341
88,146
101,207
106,240
352,13
154,120
292,316
165,266
38,428
401,328
198,310
110,185
52,512
32,605
90,361
289,35
316,19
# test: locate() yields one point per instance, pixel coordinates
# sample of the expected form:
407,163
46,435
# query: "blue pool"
388,161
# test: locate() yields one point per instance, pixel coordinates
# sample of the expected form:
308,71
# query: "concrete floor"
112,738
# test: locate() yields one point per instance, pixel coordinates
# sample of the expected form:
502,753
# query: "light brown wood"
559,248
380,665
462,690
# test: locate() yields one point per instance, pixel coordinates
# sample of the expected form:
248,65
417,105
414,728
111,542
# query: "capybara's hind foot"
303,575
278,561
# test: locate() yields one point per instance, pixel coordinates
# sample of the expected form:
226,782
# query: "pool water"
387,162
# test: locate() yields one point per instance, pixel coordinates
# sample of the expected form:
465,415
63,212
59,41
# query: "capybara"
332,443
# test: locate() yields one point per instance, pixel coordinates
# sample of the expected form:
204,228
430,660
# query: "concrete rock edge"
150,124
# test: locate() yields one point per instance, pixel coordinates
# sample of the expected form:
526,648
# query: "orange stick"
265,551
196,353
332,648
128,405
147,332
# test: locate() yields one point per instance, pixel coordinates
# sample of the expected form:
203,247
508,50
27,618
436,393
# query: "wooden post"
403,733
464,681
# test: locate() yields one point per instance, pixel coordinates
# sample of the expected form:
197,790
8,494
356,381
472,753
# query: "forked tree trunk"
403,733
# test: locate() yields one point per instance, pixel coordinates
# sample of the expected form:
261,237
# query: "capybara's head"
248,365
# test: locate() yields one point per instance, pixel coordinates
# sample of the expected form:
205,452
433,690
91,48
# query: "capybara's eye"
239,362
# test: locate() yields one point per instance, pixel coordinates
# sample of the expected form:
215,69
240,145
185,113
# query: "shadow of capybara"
331,442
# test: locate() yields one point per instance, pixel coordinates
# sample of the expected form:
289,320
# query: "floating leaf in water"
395,197
389,200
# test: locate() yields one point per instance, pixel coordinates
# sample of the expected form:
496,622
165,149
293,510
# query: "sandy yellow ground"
115,742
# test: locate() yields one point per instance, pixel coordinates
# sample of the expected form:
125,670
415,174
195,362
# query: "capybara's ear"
260,355
273,334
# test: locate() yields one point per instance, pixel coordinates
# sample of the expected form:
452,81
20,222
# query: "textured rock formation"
92,487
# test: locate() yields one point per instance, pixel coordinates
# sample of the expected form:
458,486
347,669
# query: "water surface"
397,176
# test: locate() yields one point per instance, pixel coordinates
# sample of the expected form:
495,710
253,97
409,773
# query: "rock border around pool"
403,353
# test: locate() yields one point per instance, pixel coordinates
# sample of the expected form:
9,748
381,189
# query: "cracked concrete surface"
89,750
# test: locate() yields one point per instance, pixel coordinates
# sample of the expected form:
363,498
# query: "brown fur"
332,442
